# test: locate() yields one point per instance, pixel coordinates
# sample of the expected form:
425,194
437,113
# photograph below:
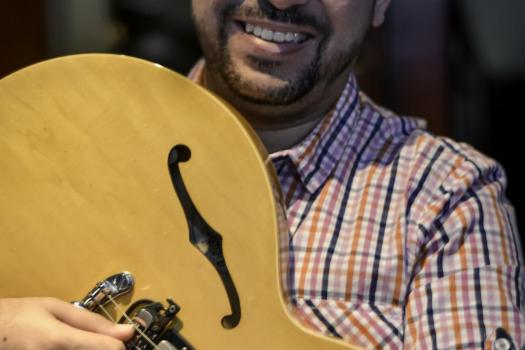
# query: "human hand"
49,324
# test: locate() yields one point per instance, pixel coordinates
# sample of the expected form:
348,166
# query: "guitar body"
85,193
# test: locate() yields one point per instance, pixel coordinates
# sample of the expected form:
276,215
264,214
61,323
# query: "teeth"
269,35
279,37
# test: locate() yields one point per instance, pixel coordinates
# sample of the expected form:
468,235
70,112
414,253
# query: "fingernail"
125,331
124,326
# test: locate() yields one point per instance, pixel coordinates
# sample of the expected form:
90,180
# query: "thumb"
119,331
88,321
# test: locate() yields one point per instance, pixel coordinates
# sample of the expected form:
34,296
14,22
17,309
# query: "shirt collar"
317,155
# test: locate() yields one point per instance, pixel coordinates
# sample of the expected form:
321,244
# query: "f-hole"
203,236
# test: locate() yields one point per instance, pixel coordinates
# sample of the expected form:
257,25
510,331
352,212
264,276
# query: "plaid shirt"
398,238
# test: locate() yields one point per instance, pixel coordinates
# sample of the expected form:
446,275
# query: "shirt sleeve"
467,283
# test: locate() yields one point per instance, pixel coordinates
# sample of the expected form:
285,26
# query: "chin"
265,93
264,87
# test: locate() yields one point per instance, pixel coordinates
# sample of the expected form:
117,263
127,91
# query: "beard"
320,70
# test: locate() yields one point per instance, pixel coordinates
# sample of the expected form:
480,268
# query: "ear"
379,12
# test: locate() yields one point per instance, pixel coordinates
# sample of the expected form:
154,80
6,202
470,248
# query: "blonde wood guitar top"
85,192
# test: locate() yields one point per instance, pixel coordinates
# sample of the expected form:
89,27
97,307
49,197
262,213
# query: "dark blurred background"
459,64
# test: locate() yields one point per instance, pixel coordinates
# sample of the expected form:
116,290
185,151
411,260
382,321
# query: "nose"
284,4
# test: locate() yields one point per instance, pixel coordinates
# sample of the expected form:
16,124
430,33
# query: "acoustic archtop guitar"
137,194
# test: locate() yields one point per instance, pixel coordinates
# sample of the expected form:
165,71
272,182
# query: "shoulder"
424,154
434,173
449,189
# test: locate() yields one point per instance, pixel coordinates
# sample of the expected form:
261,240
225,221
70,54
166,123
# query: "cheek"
204,12
345,15
208,16
197,9
349,20
206,24
207,10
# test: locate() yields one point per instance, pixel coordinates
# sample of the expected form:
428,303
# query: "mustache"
293,15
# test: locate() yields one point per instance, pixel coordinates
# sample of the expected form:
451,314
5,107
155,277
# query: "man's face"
277,51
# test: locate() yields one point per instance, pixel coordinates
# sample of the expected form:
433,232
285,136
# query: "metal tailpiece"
113,286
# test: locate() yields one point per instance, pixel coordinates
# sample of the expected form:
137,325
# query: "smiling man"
397,238
282,64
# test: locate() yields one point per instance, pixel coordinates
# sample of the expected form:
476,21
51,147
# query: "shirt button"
501,344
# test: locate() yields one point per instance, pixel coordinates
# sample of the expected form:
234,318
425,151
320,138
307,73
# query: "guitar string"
142,334
101,307
130,321
133,324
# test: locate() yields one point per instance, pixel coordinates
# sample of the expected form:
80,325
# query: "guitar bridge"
155,326
151,320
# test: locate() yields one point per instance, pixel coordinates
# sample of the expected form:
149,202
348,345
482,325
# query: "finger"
69,337
87,321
